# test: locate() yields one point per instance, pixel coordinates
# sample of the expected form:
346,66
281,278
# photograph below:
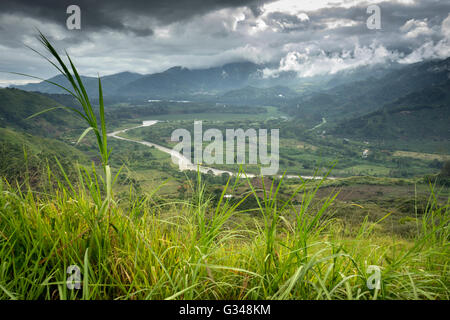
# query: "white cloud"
414,28
430,49
339,23
289,6
314,61
7,82
294,10
292,6
445,27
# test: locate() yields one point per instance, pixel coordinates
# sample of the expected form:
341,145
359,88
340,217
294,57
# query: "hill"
417,121
17,105
349,100
26,145
25,157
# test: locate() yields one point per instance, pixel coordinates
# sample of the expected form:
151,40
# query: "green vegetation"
196,250
405,125
303,151
139,229
17,106
24,157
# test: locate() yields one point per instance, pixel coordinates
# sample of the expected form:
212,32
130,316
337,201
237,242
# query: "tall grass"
94,123
194,249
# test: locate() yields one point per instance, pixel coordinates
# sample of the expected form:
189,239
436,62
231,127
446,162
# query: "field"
304,151
422,156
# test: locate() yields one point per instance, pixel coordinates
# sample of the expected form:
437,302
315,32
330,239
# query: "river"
183,162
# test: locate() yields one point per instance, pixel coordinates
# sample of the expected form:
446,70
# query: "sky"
309,37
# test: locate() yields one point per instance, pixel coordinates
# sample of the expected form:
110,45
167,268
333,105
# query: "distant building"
365,153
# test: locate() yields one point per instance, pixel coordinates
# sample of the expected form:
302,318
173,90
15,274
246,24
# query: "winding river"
183,162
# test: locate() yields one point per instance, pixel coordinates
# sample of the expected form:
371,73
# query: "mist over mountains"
341,95
180,82
388,102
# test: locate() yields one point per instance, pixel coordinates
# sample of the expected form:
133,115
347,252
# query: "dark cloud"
113,14
286,22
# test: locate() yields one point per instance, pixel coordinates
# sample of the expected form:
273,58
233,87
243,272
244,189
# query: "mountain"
339,96
110,84
358,98
46,87
179,82
172,83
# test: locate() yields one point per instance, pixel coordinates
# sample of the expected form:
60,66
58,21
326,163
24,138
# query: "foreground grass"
189,250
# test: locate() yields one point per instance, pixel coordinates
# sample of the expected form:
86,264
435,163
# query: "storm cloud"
308,37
